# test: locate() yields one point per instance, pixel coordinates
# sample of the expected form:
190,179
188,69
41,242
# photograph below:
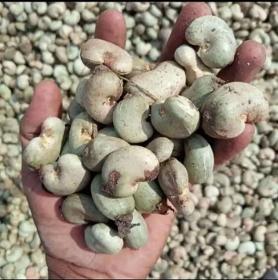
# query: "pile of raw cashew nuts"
131,134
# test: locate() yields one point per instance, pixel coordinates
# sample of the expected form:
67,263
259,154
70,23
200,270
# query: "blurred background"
234,231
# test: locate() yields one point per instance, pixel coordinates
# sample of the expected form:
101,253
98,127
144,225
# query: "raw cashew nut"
101,93
162,147
138,235
129,119
108,131
74,109
98,149
194,68
149,198
97,51
227,109
199,159
79,208
202,88
173,180
126,167
100,238
139,66
66,176
216,41
165,80
83,129
80,90
45,148
177,117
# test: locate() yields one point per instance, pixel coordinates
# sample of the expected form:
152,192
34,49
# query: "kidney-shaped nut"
80,90
97,51
177,117
202,88
139,66
74,109
100,238
173,180
45,148
129,119
111,207
165,80
138,235
162,147
199,159
66,176
194,68
227,109
98,149
102,91
126,167
79,208
108,131
83,129
149,198
216,41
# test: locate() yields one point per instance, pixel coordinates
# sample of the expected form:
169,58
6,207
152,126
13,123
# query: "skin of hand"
66,252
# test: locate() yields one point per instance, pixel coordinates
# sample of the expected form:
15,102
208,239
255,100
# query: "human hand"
66,252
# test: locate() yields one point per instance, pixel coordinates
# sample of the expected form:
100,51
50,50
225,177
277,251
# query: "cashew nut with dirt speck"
97,51
45,148
227,109
216,40
125,168
65,176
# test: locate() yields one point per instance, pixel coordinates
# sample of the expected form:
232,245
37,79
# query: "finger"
188,13
46,102
111,27
249,60
226,149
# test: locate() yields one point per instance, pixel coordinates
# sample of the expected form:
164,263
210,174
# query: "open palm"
67,255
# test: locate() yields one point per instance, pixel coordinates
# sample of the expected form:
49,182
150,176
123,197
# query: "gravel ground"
234,231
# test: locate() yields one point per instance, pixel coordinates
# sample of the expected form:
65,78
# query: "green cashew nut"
45,148
129,119
138,235
216,41
227,109
83,129
102,91
165,80
100,238
199,159
177,117
202,88
108,131
97,51
79,208
149,198
98,149
66,176
173,180
126,167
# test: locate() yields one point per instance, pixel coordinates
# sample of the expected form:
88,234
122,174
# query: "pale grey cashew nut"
45,148
129,119
177,117
194,68
126,167
138,236
199,159
227,109
162,147
149,198
102,91
80,90
165,80
74,109
108,131
173,180
216,41
97,51
79,208
100,238
83,129
66,176
202,88
98,149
